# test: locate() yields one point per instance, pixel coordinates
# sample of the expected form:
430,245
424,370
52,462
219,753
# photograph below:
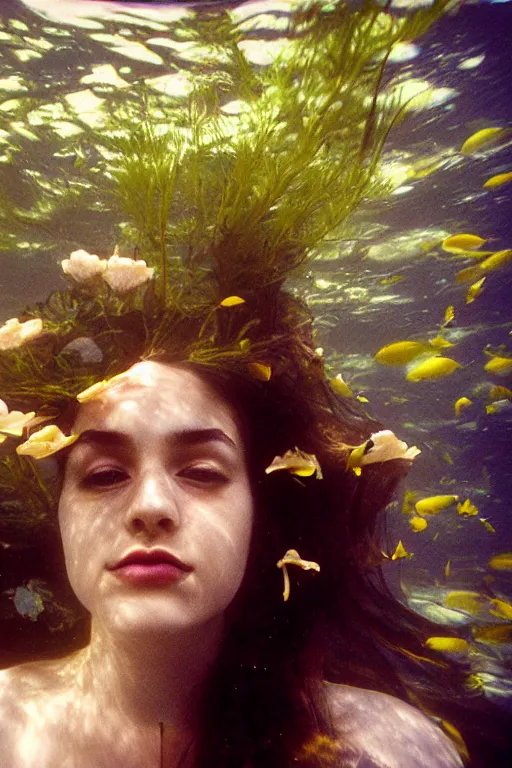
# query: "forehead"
154,396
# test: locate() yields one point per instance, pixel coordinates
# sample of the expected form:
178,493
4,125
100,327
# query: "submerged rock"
86,349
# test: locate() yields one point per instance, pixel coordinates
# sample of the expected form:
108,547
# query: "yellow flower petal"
400,551
260,371
467,508
45,442
297,463
292,557
96,390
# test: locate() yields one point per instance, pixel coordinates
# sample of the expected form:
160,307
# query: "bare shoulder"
9,709
388,732
25,690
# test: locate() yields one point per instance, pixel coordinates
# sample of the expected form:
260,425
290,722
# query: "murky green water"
77,79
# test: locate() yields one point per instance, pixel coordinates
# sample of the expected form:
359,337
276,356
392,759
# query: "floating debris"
28,603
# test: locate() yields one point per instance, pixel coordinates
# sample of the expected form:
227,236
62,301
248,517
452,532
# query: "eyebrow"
183,438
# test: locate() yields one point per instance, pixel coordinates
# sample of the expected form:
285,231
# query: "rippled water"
382,277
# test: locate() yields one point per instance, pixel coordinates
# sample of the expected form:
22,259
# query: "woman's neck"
152,686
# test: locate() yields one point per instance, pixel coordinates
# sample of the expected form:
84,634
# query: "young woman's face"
160,464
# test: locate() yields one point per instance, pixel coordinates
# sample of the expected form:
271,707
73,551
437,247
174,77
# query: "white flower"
386,446
13,422
124,274
13,333
83,266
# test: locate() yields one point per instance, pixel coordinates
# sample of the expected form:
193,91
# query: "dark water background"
355,314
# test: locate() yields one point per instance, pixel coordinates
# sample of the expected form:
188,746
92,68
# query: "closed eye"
105,478
203,475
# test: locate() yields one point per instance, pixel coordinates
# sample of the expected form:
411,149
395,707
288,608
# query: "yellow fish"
402,352
392,280
440,343
499,365
496,260
500,393
470,273
448,569
340,387
434,504
493,634
231,301
456,737
433,369
470,602
501,562
488,527
497,181
409,500
462,402
418,523
482,140
462,242
467,508
502,610
448,644
475,682
474,290
449,314
400,551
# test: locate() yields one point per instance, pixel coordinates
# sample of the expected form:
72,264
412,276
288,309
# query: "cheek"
227,538
81,541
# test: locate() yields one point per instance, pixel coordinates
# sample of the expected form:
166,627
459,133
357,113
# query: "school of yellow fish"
425,360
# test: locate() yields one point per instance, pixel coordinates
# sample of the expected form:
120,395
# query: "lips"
150,556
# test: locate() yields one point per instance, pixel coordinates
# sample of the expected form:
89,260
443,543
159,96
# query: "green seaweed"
218,205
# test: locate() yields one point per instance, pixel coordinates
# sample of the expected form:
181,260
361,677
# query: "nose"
153,507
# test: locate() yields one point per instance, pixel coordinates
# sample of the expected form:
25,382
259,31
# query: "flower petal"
15,422
45,442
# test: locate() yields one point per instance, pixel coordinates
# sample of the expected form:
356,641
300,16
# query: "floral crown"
121,284
223,212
